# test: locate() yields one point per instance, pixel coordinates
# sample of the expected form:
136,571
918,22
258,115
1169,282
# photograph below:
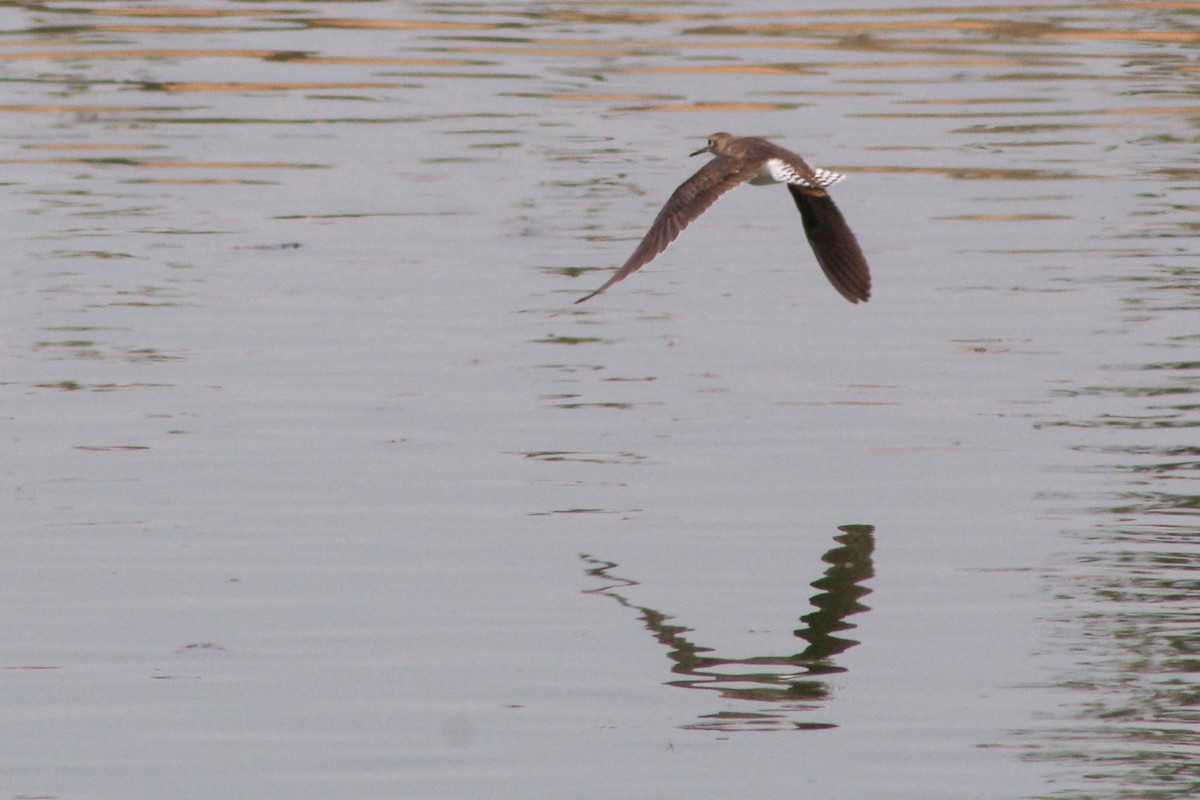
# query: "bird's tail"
833,243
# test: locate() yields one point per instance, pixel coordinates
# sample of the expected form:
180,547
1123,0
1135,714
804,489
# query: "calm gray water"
318,484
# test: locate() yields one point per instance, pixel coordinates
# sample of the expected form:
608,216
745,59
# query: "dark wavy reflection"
1127,616
787,688
1134,724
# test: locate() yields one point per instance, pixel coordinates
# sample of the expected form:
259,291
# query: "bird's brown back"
759,151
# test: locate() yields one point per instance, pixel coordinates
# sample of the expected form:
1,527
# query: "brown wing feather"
833,243
693,197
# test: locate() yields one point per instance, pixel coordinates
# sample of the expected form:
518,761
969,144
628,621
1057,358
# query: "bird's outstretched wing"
693,197
833,243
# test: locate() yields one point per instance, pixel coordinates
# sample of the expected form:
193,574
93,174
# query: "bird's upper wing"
693,197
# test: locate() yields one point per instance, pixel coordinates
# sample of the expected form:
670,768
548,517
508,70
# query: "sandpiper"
747,158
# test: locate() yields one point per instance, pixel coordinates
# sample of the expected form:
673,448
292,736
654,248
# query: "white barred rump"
783,172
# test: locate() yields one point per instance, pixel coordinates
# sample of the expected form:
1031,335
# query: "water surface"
319,482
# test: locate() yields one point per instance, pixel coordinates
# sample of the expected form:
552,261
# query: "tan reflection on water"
269,55
90,55
401,25
197,86
164,163
150,11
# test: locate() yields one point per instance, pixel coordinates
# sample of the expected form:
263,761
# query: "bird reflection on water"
791,684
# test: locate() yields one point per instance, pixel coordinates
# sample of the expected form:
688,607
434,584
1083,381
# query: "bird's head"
714,145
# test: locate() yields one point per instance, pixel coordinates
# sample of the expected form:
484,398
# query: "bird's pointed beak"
698,152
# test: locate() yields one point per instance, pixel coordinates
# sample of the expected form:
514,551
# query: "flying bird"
745,159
